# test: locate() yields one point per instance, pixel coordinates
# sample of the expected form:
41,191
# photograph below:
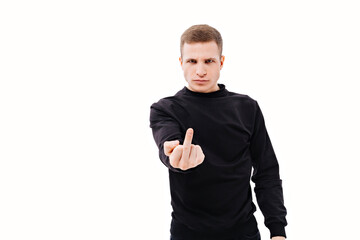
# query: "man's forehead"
204,50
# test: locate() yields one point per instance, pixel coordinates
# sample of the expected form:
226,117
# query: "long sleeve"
165,128
268,185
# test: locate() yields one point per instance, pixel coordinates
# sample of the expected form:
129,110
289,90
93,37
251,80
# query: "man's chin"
199,88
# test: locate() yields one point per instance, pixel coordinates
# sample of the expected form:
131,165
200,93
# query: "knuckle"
182,167
200,158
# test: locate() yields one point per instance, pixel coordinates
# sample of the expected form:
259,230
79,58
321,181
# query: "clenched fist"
184,156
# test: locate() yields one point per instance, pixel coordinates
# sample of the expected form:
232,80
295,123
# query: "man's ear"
180,60
222,59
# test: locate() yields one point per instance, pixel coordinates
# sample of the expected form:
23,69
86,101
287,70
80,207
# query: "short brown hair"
201,33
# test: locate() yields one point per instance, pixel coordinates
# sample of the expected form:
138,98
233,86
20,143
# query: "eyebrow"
211,58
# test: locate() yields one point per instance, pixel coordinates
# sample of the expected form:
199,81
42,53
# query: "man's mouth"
200,81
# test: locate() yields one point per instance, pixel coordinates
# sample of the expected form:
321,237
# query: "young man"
210,139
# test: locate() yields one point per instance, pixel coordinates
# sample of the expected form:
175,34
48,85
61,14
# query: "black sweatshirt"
213,200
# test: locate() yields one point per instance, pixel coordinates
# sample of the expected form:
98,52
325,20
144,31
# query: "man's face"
201,64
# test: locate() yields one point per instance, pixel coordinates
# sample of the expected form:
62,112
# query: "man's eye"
209,61
192,61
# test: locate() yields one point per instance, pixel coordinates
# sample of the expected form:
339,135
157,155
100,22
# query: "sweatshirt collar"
219,93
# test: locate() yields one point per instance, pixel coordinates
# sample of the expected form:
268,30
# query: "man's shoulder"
170,99
167,99
164,103
241,97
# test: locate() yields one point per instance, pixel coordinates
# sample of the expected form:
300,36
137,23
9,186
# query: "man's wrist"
278,238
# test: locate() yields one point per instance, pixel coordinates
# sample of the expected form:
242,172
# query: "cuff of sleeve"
277,229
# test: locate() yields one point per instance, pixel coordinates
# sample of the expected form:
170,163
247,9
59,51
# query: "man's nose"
201,70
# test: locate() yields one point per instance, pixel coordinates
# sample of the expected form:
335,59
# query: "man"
210,139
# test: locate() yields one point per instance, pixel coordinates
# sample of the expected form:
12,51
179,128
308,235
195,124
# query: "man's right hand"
184,156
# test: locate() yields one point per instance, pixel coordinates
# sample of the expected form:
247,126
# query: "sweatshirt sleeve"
268,185
165,128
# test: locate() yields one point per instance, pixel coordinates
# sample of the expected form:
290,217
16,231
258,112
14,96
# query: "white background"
78,159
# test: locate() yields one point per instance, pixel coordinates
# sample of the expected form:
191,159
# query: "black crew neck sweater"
213,200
